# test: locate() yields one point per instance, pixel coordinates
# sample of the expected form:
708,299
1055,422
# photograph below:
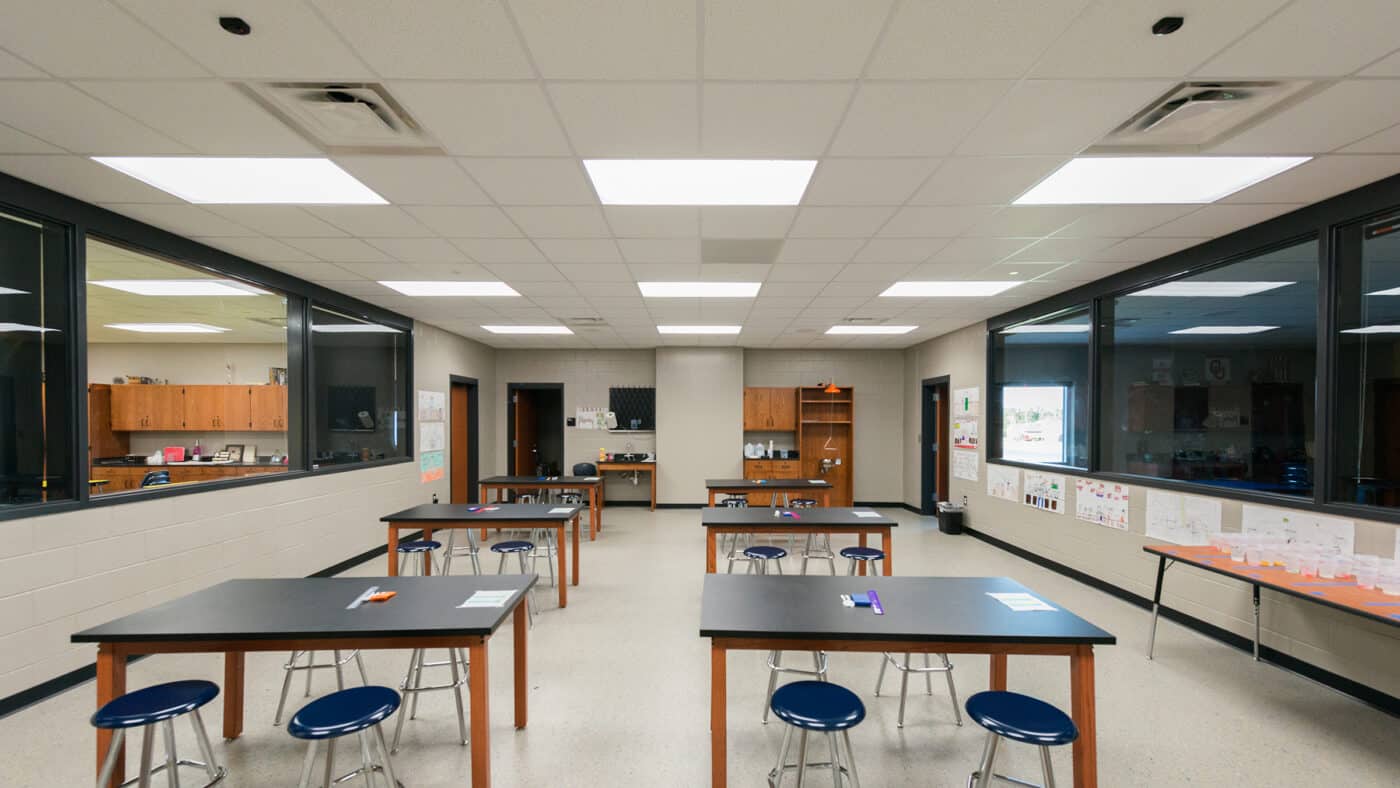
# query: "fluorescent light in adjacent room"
699,181
12,291
1389,292
699,329
181,287
947,289
1383,329
11,328
1049,328
451,288
1113,180
218,180
1223,330
1198,289
878,330
528,329
699,289
353,328
169,328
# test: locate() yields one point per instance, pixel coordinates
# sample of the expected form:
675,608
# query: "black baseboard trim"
47,689
680,506
1371,696
646,503
880,504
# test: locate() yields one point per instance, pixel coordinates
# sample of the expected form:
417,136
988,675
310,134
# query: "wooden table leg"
652,474
592,515
598,490
479,690
998,678
718,724
391,549
428,560
712,499
233,694
561,541
710,550
1081,690
887,542
522,680
111,684
860,565
576,527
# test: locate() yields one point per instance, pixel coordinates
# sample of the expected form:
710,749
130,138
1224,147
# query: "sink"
629,457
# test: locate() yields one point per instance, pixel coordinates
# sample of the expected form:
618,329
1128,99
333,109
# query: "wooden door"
525,441
102,440
268,408
782,410
460,445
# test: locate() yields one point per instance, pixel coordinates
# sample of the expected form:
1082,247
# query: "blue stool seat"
863,553
514,546
344,712
153,704
422,546
1021,718
765,552
818,706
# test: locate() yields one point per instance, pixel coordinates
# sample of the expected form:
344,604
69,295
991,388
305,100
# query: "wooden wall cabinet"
203,408
269,408
147,407
826,429
218,408
769,409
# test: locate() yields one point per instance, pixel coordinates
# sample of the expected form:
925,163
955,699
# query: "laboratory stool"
855,555
422,547
818,545
736,542
412,685
760,554
817,707
1010,715
928,670
521,549
358,710
144,708
472,551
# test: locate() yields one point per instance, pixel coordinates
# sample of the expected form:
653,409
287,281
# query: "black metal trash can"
950,517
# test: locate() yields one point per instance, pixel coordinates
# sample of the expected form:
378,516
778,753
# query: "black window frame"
994,392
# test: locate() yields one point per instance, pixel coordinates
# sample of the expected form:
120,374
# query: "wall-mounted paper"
965,464
1298,527
432,405
1045,491
430,466
1182,519
1103,503
1004,482
966,406
966,402
432,436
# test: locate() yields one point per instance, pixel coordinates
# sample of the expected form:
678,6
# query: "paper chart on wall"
1297,527
432,405
1045,491
965,433
965,464
966,404
1182,519
432,436
430,466
1004,482
1102,503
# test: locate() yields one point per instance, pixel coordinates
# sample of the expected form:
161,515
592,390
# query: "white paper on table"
591,478
816,481
866,514
561,510
1020,602
488,599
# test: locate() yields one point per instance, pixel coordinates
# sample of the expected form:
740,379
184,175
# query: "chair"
158,705
1021,718
358,710
521,549
155,478
412,685
817,707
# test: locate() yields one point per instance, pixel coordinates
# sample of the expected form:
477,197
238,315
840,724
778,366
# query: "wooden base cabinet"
121,478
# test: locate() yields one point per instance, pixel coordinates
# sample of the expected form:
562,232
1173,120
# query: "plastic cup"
1389,581
1368,569
1307,561
1237,543
1345,565
1292,559
1254,551
1327,567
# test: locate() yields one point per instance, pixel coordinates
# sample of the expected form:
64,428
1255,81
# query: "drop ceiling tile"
289,40
431,39
745,222
526,272
653,221
1387,141
598,272
258,250
660,250
790,39
580,250
533,181
485,118
78,176
454,221
449,271
1021,221
415,180
1213,221
885,273
734,272
804,272
560,222
899,250
866,181
1122,221
842,222
778,119
16,141
12,67
277,220
934,221
984,180
74,39
1083,112
1062,250
556,292
615,40
419,250
1141,250
807,288
825,250
62,115
969,38
915,118
338,250
371,221
1318,179
629,119
1022,271
1341,114
1285,45
499,250
187,220
1385,67
321,272
665,272
980,250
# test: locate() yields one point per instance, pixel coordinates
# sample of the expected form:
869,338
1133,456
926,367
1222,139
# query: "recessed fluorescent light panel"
699,289
169,328
1116,180
11,328
181,287
1390,292
217,180
12,291
1048,328
353,328
947,289
875,330
699,329
1221,330
429,289
1198,289
1373,330
528,329
699,181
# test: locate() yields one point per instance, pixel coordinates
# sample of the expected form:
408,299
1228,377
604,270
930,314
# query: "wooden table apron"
648,468
595,500
824,499
111,679
428,527
886,543
1081,682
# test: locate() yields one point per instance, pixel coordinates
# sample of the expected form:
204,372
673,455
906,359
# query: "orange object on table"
382,596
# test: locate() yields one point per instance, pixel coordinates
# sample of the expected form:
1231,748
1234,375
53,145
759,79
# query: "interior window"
1040,371
360,389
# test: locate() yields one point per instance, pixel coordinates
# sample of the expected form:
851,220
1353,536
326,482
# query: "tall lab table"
862,522
503,485
238,616
432,517
937,615
821,488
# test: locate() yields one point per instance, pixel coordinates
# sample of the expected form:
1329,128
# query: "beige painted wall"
699,420
1343,644
878,378
63,572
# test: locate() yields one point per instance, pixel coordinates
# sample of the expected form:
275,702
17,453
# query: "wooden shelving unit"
826,429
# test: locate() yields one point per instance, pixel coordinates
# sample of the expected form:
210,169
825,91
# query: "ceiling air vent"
586,323
740,250
344,117
865,321
1193,116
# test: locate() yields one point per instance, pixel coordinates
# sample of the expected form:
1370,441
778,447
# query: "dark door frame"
473,433
930,477
511,388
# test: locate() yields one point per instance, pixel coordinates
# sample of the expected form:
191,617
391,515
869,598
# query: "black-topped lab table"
519,484
238,616
860,521
938,615
820,488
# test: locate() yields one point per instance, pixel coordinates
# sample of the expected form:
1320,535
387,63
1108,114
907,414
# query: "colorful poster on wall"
1299,527
1101,503
1044,491
430,466
966,406
1004,482
1182,519
965,434
965,465
432,405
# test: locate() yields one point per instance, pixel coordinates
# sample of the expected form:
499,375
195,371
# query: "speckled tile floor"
620,694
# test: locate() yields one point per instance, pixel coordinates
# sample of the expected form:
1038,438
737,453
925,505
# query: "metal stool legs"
371,740
982,778
775,666
173,762
471,550
530,606
928,670
737,545
842,763
545,548
819,547
872,568
336,662
412,686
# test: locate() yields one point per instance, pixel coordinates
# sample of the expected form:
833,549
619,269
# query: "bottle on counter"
196,450
602,455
